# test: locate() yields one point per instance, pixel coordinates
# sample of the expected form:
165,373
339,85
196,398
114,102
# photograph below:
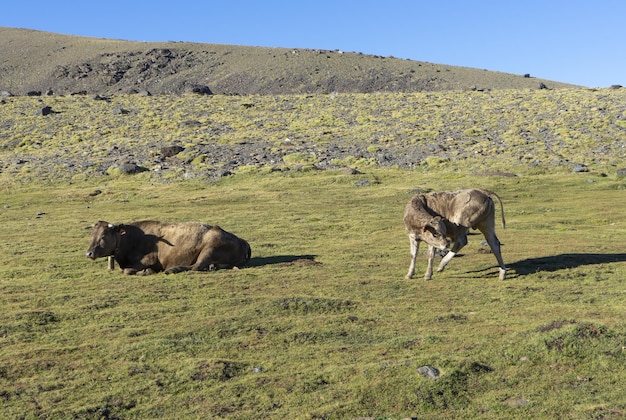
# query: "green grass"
322,323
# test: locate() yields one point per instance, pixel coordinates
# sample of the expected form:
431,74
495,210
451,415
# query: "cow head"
434,233
247,252
105,238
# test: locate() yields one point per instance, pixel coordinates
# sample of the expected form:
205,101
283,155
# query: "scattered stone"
621,172
170,151
130,168
33,93
429,372
120,111
95,193
363,183
223,173
198,89
352,171
580,167
46,110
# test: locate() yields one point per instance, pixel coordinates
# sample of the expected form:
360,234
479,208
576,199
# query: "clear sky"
574,41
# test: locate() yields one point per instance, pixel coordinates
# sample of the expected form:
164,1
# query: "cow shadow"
562,261
282,260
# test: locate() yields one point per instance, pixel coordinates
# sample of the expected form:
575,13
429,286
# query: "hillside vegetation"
520,132
39,61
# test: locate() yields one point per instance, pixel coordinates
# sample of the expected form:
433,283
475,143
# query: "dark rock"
170,151
46,110
542,86
621,172
198,89
33,93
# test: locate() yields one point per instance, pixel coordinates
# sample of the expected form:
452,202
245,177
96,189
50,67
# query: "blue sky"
579,42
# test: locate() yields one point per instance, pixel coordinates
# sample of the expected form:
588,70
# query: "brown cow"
148,247
436,216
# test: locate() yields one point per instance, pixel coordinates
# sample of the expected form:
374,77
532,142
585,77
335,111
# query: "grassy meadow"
322,323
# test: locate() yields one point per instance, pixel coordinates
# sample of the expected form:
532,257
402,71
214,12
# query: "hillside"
34,61
197,136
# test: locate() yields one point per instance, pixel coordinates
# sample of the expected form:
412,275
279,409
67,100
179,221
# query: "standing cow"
437,216
148,247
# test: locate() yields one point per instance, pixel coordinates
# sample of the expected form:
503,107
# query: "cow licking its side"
149,247
437,216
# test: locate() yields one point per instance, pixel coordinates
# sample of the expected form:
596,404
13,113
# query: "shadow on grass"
562,261
282,260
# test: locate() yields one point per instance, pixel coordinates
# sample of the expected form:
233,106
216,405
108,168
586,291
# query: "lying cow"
149,247
437,216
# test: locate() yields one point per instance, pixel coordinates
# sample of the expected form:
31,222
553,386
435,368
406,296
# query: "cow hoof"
427,278
502,274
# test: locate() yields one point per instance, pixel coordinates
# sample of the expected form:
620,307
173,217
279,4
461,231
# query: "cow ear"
116,228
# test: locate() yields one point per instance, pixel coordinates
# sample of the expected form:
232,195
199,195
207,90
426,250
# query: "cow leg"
494,244
459,242
204,262
414,248
429,268
178,269
139,271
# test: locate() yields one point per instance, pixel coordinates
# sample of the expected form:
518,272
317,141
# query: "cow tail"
501,208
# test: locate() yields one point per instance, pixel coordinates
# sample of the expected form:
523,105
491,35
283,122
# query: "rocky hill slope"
34,61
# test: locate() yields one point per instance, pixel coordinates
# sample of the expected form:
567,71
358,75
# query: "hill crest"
35,61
